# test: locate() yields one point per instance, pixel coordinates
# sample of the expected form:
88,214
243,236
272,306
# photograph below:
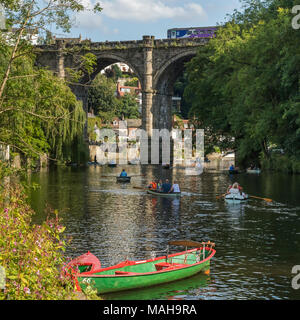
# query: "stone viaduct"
157,63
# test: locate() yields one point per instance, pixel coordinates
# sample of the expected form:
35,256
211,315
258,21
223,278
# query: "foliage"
92,122
134,82
39,113
31,255
179,88
114,72
101,96
102,99
244,86
128,107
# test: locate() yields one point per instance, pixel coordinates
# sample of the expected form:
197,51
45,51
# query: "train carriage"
194,32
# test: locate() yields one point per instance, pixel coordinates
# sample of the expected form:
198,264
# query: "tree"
245,83
128,107
29,15
101,95
38,112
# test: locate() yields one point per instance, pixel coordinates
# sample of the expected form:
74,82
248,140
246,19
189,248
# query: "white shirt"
176,188
233,190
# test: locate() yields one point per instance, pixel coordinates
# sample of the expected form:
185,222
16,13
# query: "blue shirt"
166,187
123,174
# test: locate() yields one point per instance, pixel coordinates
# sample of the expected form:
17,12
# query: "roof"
134,123
211,27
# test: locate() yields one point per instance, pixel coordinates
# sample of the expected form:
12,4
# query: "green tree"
128,107
101,95
245,84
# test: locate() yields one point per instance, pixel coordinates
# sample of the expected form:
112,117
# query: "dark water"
257,242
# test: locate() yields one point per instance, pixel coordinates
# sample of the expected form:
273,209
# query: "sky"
122,20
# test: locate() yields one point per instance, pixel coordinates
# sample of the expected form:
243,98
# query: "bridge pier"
147,94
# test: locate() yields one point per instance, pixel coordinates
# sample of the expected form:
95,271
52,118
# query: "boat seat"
118,272
166,265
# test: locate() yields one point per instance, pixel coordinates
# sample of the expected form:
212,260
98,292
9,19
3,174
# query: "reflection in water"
257,242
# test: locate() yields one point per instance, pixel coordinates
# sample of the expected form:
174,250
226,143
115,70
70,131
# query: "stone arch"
163,83
104,60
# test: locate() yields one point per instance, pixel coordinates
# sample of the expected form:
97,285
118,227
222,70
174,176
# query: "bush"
31,255
281,163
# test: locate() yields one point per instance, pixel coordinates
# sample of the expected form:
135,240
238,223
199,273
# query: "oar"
266,199
185,243
138,175
135,187
222,195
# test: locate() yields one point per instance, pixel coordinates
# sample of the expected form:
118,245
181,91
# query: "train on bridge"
196,32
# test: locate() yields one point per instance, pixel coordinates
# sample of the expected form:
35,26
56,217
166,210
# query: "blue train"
197,32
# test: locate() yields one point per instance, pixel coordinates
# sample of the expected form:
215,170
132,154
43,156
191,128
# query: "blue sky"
123,20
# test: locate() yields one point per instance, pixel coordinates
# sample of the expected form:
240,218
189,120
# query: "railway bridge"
156,62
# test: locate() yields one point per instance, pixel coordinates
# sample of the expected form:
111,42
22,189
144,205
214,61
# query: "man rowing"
123,173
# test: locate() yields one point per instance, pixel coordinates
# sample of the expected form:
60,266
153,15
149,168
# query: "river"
257,242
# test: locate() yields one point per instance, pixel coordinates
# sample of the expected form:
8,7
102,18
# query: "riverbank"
32,256
281,163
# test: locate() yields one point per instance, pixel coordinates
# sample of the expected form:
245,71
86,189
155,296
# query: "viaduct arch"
157,63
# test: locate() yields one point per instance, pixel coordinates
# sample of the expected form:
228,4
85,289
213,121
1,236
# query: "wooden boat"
145,273
234,171
257,171
112,164
123,179
164,194
236,198
84,263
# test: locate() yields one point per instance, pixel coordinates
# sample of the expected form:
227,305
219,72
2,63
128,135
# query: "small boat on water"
236,198
163,194
112,164
123,179
257,171
128,275
134,162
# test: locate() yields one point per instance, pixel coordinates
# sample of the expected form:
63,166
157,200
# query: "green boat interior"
164,264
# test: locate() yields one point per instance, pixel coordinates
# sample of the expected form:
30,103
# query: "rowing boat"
253,170
164,194
236,198
128,275
234,171
123,179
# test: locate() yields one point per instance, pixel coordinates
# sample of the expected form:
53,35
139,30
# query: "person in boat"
152,185
166,186
123,173
235,189
231,168
159,185
175,187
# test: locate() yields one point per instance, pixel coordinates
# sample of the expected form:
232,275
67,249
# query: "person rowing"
175,188
123,173
234,189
